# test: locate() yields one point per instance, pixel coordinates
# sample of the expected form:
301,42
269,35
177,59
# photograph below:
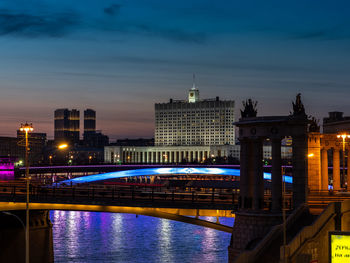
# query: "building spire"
194,82
193,95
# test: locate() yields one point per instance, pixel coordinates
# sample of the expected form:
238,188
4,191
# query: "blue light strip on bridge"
162,171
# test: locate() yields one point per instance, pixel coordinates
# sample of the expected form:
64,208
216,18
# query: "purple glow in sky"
120,57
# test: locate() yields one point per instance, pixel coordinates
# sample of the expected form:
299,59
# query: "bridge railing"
132,196
117,196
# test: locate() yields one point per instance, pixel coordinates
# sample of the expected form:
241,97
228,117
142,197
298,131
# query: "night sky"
121,57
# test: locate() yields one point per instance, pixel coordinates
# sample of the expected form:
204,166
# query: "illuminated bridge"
161,171
100,192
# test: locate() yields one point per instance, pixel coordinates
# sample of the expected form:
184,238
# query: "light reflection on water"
108,237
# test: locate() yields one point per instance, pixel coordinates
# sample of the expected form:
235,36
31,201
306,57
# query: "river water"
107,237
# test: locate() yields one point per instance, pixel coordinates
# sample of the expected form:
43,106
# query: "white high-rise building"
195,121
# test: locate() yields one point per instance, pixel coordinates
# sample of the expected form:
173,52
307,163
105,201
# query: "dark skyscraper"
93,138
89,121
67,125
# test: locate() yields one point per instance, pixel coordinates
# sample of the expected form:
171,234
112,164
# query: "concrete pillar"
336,169
348,171
172,153
276,175
122,157
300,180
244,183
247,176
258,183
314,162
324,170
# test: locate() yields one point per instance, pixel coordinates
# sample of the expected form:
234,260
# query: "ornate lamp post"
343,136
27,128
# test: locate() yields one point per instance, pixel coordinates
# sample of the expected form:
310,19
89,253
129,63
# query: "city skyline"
120,58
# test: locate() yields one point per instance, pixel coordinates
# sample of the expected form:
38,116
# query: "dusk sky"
121,57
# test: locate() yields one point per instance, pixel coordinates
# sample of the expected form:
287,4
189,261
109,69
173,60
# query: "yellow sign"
339,247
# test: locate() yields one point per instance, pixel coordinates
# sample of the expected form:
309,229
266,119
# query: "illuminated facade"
192,131
195,121
180,154
67,125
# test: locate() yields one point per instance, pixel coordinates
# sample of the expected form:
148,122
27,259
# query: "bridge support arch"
12,241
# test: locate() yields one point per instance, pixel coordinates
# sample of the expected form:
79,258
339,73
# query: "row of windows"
195,131
186,117
209,110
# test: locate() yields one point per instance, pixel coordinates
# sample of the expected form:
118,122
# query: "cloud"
312,35
338,32
112,10
150,30
31,25
28,25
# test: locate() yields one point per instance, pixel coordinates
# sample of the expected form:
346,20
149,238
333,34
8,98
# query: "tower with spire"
193,94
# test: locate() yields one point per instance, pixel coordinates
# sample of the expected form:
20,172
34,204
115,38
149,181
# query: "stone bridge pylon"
252,223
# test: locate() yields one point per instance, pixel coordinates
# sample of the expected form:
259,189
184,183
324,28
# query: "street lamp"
27,128
54,152
62,146
343,136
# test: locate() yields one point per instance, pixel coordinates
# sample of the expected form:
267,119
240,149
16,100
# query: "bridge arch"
147,211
